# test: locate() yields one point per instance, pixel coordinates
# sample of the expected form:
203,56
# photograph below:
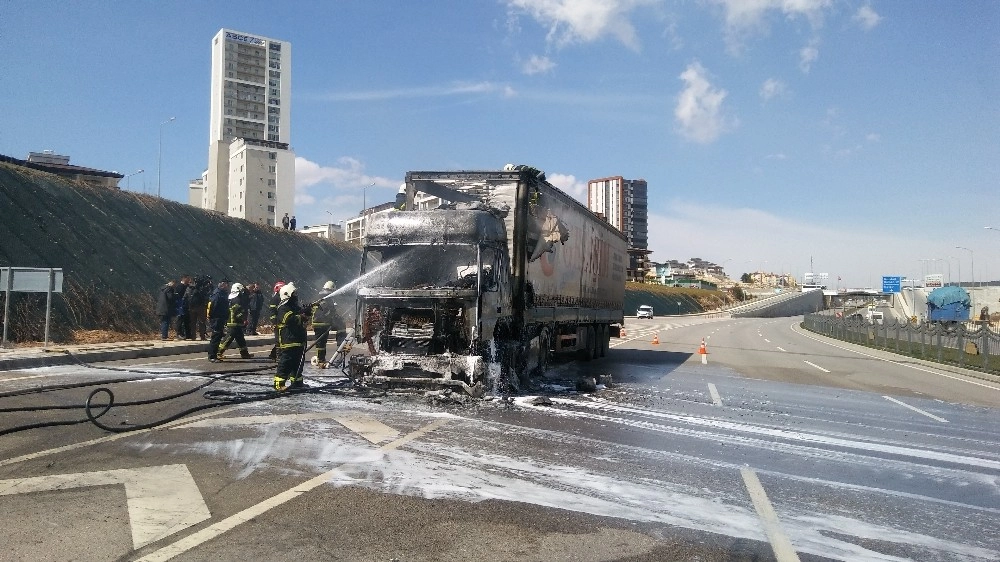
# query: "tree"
746,278
737,292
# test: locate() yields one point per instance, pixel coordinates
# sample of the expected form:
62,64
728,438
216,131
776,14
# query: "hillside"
116,248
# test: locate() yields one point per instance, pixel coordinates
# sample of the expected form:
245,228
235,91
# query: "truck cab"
435,286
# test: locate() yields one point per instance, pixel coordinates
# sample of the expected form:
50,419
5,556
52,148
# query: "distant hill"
117,248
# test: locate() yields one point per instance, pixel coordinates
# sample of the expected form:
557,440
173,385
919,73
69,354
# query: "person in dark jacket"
291,331
182,307
322,321
256,306
197,296
273,316
218,314
166,303
239,301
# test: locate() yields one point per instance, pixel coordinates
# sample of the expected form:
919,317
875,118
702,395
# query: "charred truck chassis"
483,291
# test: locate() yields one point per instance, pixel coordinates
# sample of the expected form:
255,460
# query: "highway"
783,446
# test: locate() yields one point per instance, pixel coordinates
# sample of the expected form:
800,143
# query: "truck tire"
605,340
589,350
544,342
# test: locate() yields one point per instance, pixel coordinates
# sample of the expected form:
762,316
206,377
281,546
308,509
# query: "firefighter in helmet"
291,333
239,303
273,308
322,321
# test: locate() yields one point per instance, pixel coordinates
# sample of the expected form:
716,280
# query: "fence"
971,345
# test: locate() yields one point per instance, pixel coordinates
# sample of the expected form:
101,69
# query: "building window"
270,195
271,169
272,155
270,209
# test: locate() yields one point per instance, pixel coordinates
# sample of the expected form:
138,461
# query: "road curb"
67,355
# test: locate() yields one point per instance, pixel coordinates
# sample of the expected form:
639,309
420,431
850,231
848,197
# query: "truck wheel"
544,341
604,341
589,351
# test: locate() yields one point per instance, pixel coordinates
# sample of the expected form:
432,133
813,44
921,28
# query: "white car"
644,311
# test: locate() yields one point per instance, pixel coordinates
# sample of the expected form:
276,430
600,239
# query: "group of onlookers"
183,306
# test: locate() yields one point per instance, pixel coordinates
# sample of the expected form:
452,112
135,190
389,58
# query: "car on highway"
644,311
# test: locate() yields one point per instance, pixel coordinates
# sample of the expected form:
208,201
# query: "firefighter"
273,308
322,321
239,301
216,312
291,333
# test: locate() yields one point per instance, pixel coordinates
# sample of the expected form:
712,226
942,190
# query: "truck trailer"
948,305
480,291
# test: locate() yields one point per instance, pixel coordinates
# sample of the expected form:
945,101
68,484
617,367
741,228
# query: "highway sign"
891,284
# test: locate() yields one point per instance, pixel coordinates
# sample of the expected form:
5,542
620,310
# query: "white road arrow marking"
161,499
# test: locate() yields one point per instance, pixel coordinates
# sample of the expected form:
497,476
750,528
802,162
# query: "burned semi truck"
479,291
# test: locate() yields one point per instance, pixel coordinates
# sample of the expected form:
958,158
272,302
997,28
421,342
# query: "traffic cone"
621,333
656,339
703,351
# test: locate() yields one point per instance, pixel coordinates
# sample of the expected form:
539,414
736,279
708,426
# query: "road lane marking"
915,409
161,499
212,531
716,399
783,549
767,340
781,349
765,433
811,364
795,329
114,437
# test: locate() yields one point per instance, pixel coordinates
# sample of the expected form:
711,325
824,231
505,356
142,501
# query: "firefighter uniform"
322,320
238,304
291,333
273,316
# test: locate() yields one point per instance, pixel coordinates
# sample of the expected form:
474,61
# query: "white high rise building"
251,168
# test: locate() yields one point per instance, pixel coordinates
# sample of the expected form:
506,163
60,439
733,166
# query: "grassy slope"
117,248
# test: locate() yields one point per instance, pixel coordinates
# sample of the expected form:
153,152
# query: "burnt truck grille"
419,331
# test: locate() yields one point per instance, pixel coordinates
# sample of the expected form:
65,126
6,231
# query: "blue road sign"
891,284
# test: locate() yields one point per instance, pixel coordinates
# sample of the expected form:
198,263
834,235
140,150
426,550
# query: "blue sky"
861,135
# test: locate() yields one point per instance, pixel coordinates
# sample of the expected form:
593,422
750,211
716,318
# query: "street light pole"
128,178
159,155
972,260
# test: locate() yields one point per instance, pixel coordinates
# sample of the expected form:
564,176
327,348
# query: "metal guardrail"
970,345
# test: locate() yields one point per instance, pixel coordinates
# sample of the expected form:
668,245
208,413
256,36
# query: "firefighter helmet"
329,286
287,291
235,290
278,286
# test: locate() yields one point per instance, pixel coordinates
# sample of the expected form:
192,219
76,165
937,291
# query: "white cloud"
808,55
584,21
569,184
755,239
698,112
453,89
773,88
866,17
873,137
336,189
537,65
745,18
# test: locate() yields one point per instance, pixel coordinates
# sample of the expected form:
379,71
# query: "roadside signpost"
892,284
29,280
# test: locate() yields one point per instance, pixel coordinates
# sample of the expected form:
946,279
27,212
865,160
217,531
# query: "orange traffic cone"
622,334
703,351
656,339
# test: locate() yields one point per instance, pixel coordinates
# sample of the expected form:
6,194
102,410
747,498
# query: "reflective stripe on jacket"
291,330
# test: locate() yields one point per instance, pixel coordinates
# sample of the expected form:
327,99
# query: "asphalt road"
783,446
